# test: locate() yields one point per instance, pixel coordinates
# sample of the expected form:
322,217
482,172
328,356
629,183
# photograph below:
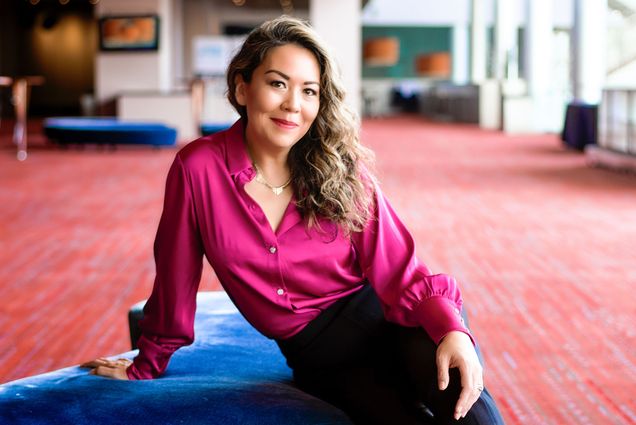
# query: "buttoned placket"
269,236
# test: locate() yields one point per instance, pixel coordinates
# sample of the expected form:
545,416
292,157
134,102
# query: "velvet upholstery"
211,128
230,375
108,131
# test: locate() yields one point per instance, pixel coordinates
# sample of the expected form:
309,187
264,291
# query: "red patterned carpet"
544,246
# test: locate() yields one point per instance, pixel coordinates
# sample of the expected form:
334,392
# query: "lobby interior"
504,137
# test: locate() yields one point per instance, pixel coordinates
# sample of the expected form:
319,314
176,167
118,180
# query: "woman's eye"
311,92
277,84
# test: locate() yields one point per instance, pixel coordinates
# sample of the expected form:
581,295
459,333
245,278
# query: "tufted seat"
108,130
230,375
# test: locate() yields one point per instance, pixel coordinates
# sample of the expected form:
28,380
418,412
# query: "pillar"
505,38
588,50
539,62
339,25
478,50
459,61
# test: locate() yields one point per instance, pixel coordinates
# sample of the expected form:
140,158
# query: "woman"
286,210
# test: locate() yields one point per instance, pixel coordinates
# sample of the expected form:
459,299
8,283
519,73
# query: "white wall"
174,110
120,71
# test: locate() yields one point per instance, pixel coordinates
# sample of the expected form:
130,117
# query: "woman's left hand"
115,369
457,350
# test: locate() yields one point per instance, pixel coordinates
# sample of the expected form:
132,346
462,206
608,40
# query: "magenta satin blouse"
279,280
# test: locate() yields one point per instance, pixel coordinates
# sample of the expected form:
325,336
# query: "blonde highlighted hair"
330,168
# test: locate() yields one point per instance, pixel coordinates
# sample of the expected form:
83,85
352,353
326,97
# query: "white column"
588,50
460,54
538,39
177,44
505,36
539,63
166,49
477,42
338,23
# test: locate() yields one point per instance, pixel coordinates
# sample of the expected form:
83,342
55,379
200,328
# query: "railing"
617,121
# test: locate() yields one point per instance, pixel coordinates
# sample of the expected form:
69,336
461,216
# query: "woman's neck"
272,165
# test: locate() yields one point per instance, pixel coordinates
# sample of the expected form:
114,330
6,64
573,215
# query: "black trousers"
375,371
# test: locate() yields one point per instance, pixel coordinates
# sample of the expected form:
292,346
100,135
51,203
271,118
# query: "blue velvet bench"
108,131
211,128
230,375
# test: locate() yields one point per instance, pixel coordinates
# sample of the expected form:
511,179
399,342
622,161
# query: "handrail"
617,120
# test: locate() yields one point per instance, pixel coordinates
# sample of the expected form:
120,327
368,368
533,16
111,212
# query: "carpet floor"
543,245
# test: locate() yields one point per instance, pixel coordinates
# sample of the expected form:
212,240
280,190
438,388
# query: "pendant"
277,190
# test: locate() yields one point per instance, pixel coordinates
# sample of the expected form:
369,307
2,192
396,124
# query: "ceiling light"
63,2
34,2
238,2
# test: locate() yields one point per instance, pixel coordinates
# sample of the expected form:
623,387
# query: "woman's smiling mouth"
289,125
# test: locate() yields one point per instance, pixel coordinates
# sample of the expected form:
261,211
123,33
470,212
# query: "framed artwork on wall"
129,33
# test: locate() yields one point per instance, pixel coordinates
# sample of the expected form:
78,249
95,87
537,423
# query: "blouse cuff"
136,371
143,366
132,373
438,316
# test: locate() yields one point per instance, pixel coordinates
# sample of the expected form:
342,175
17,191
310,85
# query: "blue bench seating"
108,130
207,128
230,375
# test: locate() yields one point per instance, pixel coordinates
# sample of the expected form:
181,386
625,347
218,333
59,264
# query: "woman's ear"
239,90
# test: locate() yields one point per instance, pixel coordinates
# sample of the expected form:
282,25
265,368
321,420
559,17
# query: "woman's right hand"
115,369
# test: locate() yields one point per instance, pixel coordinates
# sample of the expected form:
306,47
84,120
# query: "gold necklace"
276,189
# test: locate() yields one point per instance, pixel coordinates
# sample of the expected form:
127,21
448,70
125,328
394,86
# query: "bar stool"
4,82
21,91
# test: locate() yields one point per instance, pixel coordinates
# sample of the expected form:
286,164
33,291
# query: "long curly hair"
331,170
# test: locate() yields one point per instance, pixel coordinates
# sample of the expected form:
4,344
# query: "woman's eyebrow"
286,77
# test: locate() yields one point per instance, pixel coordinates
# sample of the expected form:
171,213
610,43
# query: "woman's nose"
292,102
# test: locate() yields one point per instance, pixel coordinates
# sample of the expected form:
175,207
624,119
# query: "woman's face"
282,99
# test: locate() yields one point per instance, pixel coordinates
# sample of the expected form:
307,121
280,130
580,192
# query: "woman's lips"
289,125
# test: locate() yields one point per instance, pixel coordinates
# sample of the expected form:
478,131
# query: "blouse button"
272,249
280,291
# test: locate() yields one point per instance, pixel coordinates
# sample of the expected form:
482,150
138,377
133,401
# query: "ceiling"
625,7
250,4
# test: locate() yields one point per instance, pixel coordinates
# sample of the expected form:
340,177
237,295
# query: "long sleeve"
410,294
168,322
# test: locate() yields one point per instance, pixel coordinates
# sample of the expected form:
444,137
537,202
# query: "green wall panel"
413,41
